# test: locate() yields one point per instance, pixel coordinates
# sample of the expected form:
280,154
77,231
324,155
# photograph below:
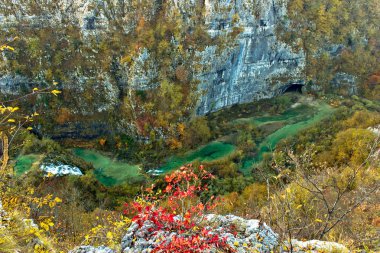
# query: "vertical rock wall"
249,71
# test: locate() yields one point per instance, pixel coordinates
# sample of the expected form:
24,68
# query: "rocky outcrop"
245,71
313,246
251,70
3,214
248,236
375,130
12,84
90,249
345,81
251,235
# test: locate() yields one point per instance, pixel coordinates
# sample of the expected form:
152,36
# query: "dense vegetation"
321,182
337,37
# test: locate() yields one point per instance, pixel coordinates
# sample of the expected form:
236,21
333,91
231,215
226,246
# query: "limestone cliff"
252,70
249,70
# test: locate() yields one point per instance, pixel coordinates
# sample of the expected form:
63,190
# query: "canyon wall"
259,63
252,68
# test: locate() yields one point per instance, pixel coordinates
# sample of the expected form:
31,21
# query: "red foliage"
181,190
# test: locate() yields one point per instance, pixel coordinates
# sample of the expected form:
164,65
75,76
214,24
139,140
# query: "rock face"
250,236
245,72
11,84
249,71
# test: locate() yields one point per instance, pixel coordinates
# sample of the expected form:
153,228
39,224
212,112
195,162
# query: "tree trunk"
5,143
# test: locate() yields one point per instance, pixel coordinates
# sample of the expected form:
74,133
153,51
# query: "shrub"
178,209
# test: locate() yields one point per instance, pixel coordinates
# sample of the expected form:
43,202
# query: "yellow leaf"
2,48
56,92
55,83
299,206
35,89
58,200
30,128
318,220
109,235
10,48
11,120
44,226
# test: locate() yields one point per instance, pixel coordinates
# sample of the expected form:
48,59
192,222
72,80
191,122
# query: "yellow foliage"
109,231
6,47
102,141
174,143
56,92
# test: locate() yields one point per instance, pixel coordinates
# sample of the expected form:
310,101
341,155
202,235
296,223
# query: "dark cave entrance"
293,87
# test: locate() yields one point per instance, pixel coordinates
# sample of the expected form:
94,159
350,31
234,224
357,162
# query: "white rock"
246,236
375,129
315,246
90,249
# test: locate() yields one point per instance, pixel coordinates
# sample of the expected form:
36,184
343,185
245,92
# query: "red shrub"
183,214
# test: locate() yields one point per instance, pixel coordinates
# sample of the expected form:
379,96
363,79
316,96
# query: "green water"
210,152
25,163
109,172
295,123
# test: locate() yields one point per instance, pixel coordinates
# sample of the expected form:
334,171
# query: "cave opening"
293,87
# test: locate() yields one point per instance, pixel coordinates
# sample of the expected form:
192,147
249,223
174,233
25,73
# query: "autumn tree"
336,36
12,119
313,200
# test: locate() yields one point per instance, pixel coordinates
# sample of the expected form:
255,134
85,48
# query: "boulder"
243,235
251,235
91,249
314,246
